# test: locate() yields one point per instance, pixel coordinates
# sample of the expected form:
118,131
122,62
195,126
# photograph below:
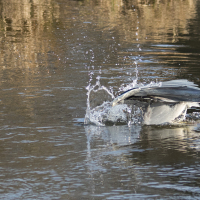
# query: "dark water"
50,50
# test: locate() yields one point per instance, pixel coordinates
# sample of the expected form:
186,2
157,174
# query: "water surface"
50,52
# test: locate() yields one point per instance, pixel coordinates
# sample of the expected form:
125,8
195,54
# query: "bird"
167,103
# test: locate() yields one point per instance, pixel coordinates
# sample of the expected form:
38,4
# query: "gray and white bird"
162,104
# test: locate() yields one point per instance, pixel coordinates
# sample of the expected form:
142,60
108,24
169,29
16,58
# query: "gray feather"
172,91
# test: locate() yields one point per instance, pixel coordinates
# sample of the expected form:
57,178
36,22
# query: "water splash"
96,112
100,110
99,106
133,84
96,88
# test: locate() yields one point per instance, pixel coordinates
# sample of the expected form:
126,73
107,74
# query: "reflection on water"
145,159
50,51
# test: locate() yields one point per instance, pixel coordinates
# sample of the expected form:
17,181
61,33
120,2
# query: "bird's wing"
166,94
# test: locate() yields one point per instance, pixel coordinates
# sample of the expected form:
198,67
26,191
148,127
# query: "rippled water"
51,51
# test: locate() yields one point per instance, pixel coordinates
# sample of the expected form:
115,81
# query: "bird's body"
162,104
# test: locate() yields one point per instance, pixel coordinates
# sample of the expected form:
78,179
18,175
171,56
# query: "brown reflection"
23,24
26,26
162,21
25,31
